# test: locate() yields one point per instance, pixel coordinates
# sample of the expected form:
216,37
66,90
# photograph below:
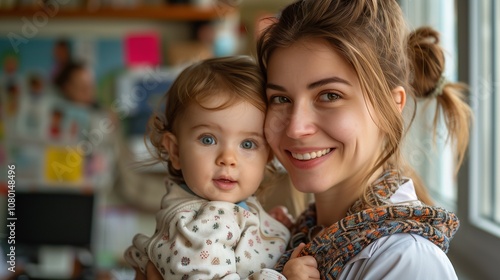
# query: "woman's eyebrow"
274,87
326,81
312,85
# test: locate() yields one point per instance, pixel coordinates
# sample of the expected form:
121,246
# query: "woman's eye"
247,144
330,96
279,99
207,140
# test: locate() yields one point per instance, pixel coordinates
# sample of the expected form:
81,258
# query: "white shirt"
402,255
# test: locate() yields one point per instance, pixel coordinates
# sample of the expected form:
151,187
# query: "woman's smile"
311,155
308,160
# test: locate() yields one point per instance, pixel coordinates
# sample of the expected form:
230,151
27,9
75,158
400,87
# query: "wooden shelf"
163,12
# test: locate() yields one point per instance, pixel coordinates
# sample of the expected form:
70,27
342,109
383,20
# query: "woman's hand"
151,273
298,268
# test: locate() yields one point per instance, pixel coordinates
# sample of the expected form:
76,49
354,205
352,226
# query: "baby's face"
222,153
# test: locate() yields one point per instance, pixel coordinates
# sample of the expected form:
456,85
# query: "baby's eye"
329,96
207,140
279,99
248,144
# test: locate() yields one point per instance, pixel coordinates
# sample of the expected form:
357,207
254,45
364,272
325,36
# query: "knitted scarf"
340,242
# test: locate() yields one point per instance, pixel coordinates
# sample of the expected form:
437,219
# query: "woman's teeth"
312,155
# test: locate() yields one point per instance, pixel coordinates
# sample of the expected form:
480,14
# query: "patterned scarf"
337,244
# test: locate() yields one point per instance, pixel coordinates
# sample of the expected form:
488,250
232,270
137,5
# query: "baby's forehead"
242,116
218,99
224,99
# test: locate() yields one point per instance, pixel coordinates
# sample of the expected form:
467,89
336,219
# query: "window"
432,157
475,194
485,100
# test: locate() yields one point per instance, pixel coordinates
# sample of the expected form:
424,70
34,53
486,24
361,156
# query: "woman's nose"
300,122
226,157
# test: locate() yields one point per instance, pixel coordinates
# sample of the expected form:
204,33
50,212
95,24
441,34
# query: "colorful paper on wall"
63,165
142,49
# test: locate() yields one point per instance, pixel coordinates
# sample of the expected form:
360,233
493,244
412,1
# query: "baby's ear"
171,145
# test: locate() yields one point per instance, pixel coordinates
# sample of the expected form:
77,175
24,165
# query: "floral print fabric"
199,239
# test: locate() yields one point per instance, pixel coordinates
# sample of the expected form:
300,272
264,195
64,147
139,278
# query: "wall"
101,43
251,10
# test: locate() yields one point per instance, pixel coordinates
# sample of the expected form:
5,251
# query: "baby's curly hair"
236,78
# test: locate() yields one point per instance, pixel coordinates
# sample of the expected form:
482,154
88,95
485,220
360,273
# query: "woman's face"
318,122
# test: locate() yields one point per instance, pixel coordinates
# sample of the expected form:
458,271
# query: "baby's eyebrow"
206,126
255,134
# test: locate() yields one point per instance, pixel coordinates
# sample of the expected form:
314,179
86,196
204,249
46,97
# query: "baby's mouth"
225,179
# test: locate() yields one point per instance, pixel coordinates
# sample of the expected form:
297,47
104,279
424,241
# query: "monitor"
54,218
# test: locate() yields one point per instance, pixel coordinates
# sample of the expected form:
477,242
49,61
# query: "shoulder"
400,256
176,198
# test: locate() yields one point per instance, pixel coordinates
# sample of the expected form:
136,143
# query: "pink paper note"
142,49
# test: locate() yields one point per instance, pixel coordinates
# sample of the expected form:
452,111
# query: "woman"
339,74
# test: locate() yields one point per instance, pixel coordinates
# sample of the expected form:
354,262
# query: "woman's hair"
428,82
233,79
372,36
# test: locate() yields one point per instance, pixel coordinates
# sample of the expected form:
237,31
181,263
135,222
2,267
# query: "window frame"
473,249
484,80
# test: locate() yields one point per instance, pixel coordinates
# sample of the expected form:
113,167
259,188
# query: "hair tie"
438,90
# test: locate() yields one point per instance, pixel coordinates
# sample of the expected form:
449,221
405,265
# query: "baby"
212,137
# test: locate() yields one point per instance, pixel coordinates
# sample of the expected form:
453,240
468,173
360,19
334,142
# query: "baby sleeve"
136,255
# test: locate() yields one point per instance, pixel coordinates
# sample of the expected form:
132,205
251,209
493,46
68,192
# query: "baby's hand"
151,273
280,213
298,268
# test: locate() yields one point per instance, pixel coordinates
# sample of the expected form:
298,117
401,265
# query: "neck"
333,204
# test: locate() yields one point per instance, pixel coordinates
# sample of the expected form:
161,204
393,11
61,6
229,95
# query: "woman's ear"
399,96
171,145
